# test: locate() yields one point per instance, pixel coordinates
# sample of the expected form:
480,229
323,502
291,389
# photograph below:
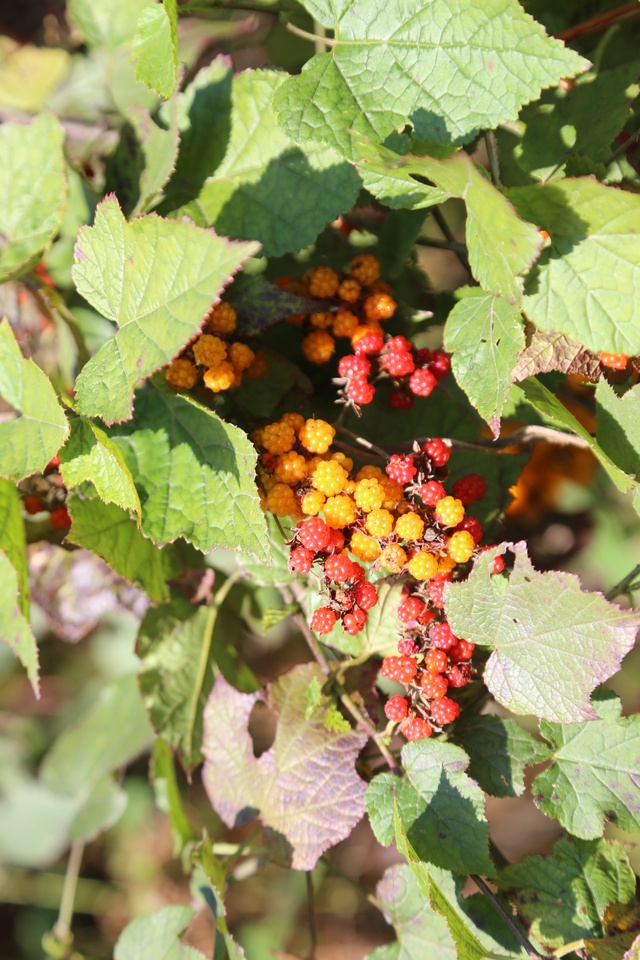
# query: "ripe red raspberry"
401,468
416,729
436,588
433,685
355,621
323,620
444,710
398,344
396,709
440,364
442,636
54,463
369,343
398,363
459,676
438,451
422,382
338,567
366,595
300,560
410,609
314,534
406,648
431,492
614,361
361,391
402,669
498,565
435,661
472,526
354,366
33,505
358,573
400,400
470,488
460,651
59,518
336,541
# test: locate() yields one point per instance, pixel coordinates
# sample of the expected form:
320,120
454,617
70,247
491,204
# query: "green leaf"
215,873
499,750
275,615
267,187
591,780
194,473
594,238
162,775
421,932
278,574
304,787
156,937
441,809
450,75
178,644
155,47
108,23
614,948
530,620
564,896
34,823
485,335
618,429
501,246
156,279
33,191
12,540
39,427
91,457
583,121
108,531
15,630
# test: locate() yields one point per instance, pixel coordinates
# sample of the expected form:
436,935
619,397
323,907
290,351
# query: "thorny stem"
492,153
624,585
62,927
311,915
517,932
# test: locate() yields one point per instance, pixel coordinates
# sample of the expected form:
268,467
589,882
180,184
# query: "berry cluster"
614,361
415,373
45,494
222,362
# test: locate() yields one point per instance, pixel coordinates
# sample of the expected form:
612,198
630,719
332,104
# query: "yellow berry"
256,436
209,351
379,523
281,501
278,437
323,282
410,526
393,558
364,548
241,356
221,318
258,367
321,320
343,459
349,290
461,546
220,377
339,511
350,487
316,436
365,269
369,494
344,323
312,503
446,564
181,374
449,512
291,468
329,478
296,420
423,565
392,492
318,346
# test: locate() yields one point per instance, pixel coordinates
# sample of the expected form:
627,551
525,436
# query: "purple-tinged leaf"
553,642
304,787
545,352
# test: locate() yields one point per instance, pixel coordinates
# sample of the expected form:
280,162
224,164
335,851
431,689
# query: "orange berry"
321,320
345,323
349,290
365,268
363,547
241,356
379,306
318,346
316,436
209,351
423,565
278,437
221,377
323,282
339,511
221,318
181,374
258,367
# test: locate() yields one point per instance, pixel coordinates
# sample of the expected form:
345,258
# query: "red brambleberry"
410,609
314,534
436,661
407,648
402,469
440,364
470,488
354,366
433,685
444,710
460,651
416,729
472,526
422,382
33,505
442,636
399,363
459,676
59,518
300,560
323,620
396,708
355,621
361,391
402,669
431,492
400,400
339,567
366,595
369,343
438,451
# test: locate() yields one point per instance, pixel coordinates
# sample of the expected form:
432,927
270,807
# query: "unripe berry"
323,620
401,468
423,565
436,661
416,729
461,546
470,488
442,636
401,669
444,710
438,451
433,685
422,382
300,560
396,708
366,595
449,512
314,534
316,436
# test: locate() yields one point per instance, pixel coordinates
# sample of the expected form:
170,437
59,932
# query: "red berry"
444,710
358,573
458,676
442,636
433,685
338,567
410,609
314,534
402,669
436,661
472,526
361,391
438,451
400,400
33,505
300,560
436,588
401,468
396,708
407,648
440,364
399,363
416,729
336,541
498,565
431,492
323,620
462,650
423,356
59,518
354,366
614,361
54,463
422,382
355,621
470,488
369,343
366,595
398,344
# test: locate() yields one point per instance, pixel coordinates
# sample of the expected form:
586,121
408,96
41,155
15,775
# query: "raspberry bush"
316,369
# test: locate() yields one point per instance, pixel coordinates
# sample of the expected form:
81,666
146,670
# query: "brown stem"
600,23
364,443
517,932
311,916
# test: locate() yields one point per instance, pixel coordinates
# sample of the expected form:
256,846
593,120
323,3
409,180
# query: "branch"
460,250
373,447
311,37
600,23
517,932
524,437
492,153
625,585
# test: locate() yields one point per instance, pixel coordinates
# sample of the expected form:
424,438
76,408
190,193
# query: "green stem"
515,929
451,245
311,37
62,927
459,249
492,153
311,916
625,585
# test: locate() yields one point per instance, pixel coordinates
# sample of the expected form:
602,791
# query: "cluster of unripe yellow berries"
222,363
